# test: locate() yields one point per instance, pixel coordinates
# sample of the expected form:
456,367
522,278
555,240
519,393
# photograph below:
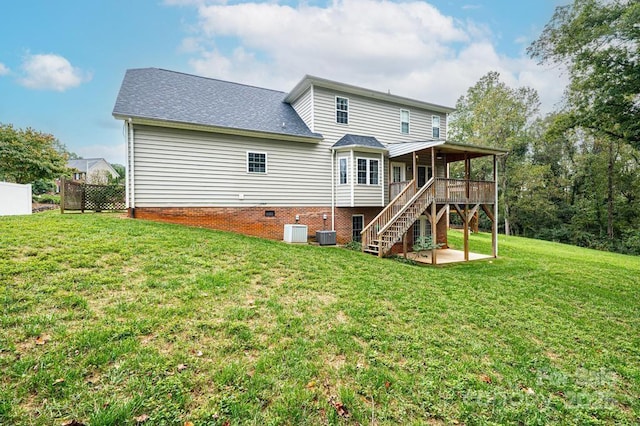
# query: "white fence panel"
14,199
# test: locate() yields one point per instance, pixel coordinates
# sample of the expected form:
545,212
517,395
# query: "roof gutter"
219,129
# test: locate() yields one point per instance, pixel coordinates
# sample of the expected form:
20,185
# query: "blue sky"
61,62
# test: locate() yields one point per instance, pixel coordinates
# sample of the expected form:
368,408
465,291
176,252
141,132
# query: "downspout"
333,190
382,169
351,173
125,133
132,174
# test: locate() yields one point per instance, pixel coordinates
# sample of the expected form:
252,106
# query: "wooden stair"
387,229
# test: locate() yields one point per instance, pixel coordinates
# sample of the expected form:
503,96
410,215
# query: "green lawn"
109,321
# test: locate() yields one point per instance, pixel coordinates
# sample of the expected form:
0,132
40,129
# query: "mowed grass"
106,320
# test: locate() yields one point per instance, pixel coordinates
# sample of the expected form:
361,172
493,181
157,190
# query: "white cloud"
4,70
51,72
409,48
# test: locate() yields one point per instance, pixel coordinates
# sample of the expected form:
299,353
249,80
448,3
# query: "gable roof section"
171,97
359,141
309,80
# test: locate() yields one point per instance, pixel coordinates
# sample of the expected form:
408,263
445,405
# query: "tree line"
31,156
570,176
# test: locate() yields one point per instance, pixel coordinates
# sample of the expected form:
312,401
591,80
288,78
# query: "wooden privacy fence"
83,196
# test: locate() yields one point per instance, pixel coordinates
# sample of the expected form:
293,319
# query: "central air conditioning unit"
294,233
326,238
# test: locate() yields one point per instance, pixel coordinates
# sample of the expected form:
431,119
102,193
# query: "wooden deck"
445,256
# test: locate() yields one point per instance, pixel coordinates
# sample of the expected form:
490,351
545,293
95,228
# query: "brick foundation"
252,220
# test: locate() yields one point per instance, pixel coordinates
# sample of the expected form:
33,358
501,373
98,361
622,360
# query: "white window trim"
368,160
335,107
403,171
346,160
266,163
435,127
408,121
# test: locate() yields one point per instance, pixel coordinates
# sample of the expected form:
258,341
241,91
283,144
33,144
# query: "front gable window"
257,162
342,110
435,127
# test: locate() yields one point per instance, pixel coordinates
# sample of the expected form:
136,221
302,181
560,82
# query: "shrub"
46,199
353,245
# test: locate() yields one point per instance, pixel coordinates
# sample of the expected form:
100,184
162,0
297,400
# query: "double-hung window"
368,171
362,171
256,162
435,127
373,172
343,170
342,110
404,121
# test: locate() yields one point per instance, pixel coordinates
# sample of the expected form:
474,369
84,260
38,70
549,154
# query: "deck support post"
405,244
434,213
466,232
414,171
494,225
62,185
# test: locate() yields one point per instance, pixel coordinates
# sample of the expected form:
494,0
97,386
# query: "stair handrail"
390,205
383,212
426,187
409,203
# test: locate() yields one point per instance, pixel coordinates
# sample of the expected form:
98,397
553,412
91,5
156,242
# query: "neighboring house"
328,155
92,170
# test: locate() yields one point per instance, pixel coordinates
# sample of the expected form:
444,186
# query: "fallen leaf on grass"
182,367
56,381
141,418
188,423
485,378
42,339
311,384
73,423
340,408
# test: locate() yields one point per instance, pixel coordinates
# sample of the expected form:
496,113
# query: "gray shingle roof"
164,95
357,140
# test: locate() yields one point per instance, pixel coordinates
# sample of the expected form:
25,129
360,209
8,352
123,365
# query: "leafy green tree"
598,41
122,174
492,113
28,155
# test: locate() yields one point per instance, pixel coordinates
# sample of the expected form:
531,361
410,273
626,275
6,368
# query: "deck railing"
461,191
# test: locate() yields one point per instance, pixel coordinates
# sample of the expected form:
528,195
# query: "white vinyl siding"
304,107
343,191
190,168
370,117
365,194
